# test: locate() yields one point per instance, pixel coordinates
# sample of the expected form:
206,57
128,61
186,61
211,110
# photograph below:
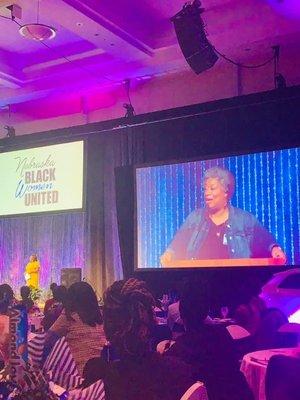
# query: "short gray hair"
225,177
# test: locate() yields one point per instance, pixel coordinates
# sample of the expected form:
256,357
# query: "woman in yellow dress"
32,272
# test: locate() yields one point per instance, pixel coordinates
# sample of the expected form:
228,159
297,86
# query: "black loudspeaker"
68,276
191,36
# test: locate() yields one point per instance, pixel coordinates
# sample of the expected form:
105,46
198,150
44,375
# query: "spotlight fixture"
191,36
11,132
129,110
279,79
280,82
37,32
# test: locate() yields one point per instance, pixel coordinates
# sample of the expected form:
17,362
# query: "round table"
254,367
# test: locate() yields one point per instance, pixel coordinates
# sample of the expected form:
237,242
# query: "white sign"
42,179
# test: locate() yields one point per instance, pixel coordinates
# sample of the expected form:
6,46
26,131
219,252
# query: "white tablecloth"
254,367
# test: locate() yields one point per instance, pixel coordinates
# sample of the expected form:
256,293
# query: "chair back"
196,392
237,332
60,366
92,392
164,345
283,378
35,349
62,370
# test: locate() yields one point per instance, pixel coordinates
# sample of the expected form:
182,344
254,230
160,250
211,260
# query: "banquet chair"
164,345
60,366
92,392
35,349
243,341
282,378
61,369
237,332
195,392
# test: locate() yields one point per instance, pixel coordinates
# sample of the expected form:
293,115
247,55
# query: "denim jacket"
244,234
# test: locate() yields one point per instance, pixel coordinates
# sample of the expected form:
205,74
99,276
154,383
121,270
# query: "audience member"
6,297
248,315
54,309
209,349
136,372
174,315
267,335
282,378
49,302
174,320
26,301
261,322
80,323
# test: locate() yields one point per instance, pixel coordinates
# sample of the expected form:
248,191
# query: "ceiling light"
37,31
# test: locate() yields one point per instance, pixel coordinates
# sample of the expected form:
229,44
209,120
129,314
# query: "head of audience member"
58,303
60,294
26,299
6,297
128,317
193,305
81,299
248,313
53,285
25,292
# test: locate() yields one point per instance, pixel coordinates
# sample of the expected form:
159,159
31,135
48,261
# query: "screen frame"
84,176
196,159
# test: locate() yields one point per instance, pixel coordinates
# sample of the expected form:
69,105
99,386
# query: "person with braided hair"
136,371
80,323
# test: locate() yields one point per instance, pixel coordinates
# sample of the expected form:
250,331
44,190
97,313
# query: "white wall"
153,94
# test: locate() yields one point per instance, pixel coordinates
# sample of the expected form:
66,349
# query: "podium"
224,262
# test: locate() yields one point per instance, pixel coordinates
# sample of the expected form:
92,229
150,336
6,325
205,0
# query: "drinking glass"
224,311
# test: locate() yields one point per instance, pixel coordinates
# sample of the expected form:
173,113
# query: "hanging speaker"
191,36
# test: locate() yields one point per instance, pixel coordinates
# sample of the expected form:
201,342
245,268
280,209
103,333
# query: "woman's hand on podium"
166,258
277,252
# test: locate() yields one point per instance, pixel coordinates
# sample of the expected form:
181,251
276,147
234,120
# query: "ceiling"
102,42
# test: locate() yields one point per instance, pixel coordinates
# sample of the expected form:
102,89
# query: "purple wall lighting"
289,8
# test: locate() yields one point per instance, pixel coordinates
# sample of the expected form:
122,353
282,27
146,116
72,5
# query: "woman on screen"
32,272
219,230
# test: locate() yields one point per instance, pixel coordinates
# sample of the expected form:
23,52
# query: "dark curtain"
106,152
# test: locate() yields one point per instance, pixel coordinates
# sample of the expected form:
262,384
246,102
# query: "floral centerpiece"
35,386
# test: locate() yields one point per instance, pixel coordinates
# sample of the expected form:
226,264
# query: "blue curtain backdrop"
267,185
